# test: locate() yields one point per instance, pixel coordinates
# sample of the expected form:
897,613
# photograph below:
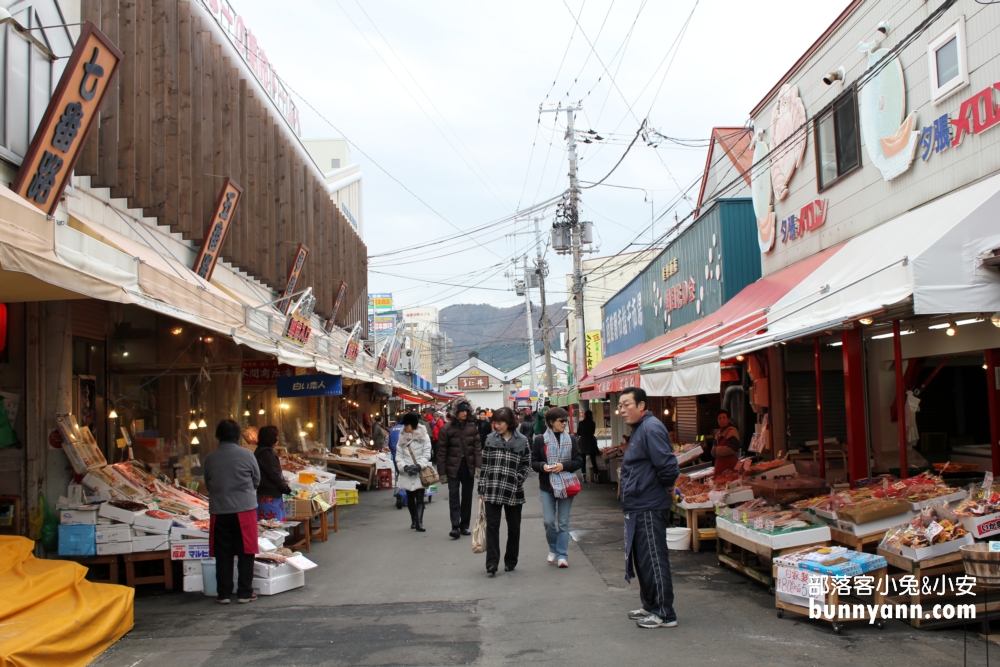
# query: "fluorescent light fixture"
944,325
837,344
969,321
889,335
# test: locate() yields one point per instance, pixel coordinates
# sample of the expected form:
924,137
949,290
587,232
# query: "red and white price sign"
758,524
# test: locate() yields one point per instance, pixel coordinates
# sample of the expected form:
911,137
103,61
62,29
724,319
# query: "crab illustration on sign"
788,124
760,191
891,137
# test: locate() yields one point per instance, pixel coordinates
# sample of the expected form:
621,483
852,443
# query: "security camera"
836,75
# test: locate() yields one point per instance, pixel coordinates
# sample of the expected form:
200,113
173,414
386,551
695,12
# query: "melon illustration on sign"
891,137
760,192
788,130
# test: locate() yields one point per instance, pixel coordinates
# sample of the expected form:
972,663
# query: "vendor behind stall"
270,504
726,449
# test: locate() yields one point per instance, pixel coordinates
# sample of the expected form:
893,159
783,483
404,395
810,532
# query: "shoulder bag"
428,475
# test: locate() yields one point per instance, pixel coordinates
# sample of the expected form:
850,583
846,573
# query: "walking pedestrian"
555,456
527,425
270,504
506,464
232,477
586,432
394,432
413,452
485,427
649,470
459,455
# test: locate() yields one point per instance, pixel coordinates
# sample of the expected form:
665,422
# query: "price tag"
769,526
899,486
744,517
933,531
885,484
994,545
758,524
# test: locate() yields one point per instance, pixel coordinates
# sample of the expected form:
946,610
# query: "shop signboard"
381,324
319,384
379,303
622,325
293,278
264,372
68,119
353,344
337,300
395,351
215,235
594,352
298,329
474,383
617,383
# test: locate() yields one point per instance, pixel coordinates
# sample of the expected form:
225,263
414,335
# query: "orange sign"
70,115
293,277
222,217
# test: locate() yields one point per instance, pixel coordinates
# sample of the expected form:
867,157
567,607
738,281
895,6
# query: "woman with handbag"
555,456
413,454
506,464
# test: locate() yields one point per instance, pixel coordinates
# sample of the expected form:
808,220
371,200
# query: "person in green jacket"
540,426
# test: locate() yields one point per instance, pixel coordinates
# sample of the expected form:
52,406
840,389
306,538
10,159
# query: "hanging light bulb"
309,424
261,411
666,411
195,441
866,321
246,413
193,426
201,422
112,414
302,434
951,331
284,406
739,357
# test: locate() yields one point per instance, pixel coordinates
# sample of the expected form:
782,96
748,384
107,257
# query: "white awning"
932,254
694,380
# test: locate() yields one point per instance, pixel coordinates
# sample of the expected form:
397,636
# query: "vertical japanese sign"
594,349
293,277
337,300
215,235
396,349
68,119
353,344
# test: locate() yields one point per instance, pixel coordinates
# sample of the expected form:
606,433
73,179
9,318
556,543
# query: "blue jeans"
557,534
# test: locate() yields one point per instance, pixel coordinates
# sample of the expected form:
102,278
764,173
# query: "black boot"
399,501
420,519
413,514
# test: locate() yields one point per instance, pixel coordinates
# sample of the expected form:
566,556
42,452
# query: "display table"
851,541
88,562
736,552
361,470
167,578
303,533
691,516
832,598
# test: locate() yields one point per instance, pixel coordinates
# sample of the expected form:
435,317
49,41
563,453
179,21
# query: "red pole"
854,404
993,394
571,418
819,409
897,352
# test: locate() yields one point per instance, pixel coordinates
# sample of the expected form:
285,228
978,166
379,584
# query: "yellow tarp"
50,616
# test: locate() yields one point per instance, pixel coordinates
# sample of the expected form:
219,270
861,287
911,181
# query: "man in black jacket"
459,455
484,424
649,470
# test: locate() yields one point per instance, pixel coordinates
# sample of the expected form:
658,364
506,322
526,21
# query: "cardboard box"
277,585
300,508
193,583
109,548
192,567
78,515
151,524
981,526
116,532
76,540
189,550
858,515
150,543
936,550
268,571
117,514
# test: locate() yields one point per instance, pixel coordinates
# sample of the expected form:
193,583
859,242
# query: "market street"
383,595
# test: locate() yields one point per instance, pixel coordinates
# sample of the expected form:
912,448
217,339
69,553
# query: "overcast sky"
444,97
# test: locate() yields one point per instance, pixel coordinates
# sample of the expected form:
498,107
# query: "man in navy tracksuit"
649,470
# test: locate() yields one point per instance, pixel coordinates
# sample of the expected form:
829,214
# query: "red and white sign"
616,383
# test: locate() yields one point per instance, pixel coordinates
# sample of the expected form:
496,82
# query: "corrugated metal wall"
687,418
802,406
89,318
738,246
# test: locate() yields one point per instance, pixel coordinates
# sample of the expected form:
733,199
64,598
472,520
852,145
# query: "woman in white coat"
413,452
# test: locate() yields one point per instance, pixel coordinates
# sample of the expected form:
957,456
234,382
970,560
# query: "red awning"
411,397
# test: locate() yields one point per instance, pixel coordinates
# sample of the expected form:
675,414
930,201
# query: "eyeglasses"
626,405
562,421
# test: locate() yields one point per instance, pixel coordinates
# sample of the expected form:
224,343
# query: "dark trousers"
593,460
651,563
414,499
229,543
461,504
513,513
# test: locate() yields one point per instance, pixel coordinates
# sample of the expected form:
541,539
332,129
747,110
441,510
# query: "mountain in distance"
499,335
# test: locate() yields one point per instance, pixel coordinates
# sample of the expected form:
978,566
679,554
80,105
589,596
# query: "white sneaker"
563,562
552,558
653,621
638,614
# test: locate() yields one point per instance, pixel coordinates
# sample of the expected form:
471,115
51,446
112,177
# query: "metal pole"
531,331
542,269
819,409
580,366
897,351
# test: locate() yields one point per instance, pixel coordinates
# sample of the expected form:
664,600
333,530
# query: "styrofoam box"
276,585
193,583
109,548
118,514
192,567
982,526
345,485
960,494
189,549
79,515
152,524
150,543
739,496
795,538
185,533
783,471
97,485
937,549
266,571
116,532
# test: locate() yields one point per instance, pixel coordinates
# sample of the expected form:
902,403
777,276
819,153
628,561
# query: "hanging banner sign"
319,384
394,352
293,277
215,235
383,355
337,300
594,349
353,344
298,329
56,145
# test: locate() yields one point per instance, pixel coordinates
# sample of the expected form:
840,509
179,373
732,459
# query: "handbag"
479,530
428,475
572,486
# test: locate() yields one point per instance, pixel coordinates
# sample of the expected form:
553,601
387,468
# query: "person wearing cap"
459,455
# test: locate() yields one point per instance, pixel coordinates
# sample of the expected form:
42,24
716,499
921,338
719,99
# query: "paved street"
384,595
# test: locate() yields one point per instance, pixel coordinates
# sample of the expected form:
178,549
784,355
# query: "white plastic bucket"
678,539
208,582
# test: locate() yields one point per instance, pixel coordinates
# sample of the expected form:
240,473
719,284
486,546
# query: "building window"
838,145
947,62
335,162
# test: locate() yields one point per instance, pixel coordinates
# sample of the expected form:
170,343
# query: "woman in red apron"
726,449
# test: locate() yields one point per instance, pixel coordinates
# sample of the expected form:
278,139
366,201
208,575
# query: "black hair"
505,415
411,419
638,395
588,413
554,414
267,436
722,412
228,431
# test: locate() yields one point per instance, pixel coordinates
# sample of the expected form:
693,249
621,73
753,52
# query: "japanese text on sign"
810,217
624,320
222,218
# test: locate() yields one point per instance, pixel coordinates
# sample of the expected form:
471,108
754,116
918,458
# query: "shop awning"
412,397
933,254
562,400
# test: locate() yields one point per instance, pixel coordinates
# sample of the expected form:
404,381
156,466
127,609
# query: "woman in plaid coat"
506,464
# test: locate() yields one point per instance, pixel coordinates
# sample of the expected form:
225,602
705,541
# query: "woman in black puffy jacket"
272,484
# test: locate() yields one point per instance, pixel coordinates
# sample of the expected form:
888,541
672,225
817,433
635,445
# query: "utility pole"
531,331
542,270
